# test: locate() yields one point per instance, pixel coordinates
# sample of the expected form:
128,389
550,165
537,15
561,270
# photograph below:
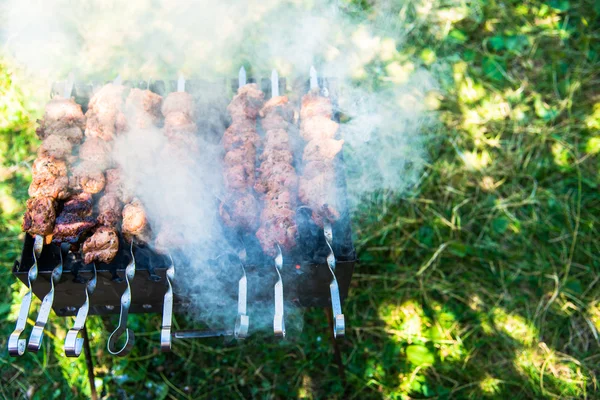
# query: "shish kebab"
278,182
318,189
240,209
60,129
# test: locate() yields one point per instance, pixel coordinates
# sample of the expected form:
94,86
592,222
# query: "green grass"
481,283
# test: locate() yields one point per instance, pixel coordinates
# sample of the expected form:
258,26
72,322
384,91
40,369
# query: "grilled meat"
135,223
277,180
49,178
318,188
240,208
80,204
115,185
109,210
56,146
180,102
62,117
105,117
143,108
87,177
96,151
102,246
40,215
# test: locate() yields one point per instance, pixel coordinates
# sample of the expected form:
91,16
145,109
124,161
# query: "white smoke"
156,39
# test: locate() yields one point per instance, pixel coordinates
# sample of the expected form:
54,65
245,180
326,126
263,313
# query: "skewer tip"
181,83
117,80
274,83
314,82
242,76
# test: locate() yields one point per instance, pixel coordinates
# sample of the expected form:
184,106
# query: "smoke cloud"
383,113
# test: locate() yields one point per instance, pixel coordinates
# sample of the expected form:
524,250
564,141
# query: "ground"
480,282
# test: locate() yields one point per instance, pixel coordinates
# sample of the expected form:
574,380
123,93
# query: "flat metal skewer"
125,304
242,321
37,333
278,319
73,343
165,332
241,77
339,323
274,84
314,81
69,83
17,346
181,83
118,80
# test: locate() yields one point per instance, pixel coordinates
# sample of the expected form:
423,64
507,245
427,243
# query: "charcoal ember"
102,246
143,108
49,178
110,210
62,117
55,146
96,151
87,177
240,210
105,116
246,103
40,216
180,102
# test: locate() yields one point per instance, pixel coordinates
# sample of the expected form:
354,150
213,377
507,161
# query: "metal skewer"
241,77
68,89
37,333
278,319
16,346
118,80
181,83
339,323
165,332
73,343
314,81
242,321
125,304
274,84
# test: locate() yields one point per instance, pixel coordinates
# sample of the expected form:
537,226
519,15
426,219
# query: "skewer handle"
339,323
278,319
165,332
125,304
73,343
242,321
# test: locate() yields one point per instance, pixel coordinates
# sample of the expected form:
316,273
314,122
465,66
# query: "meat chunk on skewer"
117,186
102,246
143,108
49,178
40,215
109,210
135,222
97,152
86,176
247,103
315,105
62,117
240,210
322,150
56,146
74,220
318,128
105,116
180,102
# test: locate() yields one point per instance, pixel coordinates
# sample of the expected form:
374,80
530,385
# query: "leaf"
493,69
458,249
497,43
560,5
419,355
457,36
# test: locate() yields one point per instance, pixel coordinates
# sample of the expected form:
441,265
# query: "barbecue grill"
306,271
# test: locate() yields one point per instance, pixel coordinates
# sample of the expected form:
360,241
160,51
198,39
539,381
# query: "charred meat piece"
102,246
55,146
64,118
240,210
49,178
105,117
180,102
246,103
277,180
135,223
87,177
96,151
109,210
143,108
40,216
80,204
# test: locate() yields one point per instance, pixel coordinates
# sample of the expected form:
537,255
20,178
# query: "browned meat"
247,103
278,180
318,128
96,151
318,188
70,228
55,146
49,178
143,108
322,150
179,123
135,222
86,176
105,117
63,117
116,185
102,246
40,216
80,204
240,134
109,210
179,102
315,105
240,210
274,121
243,155
238,178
